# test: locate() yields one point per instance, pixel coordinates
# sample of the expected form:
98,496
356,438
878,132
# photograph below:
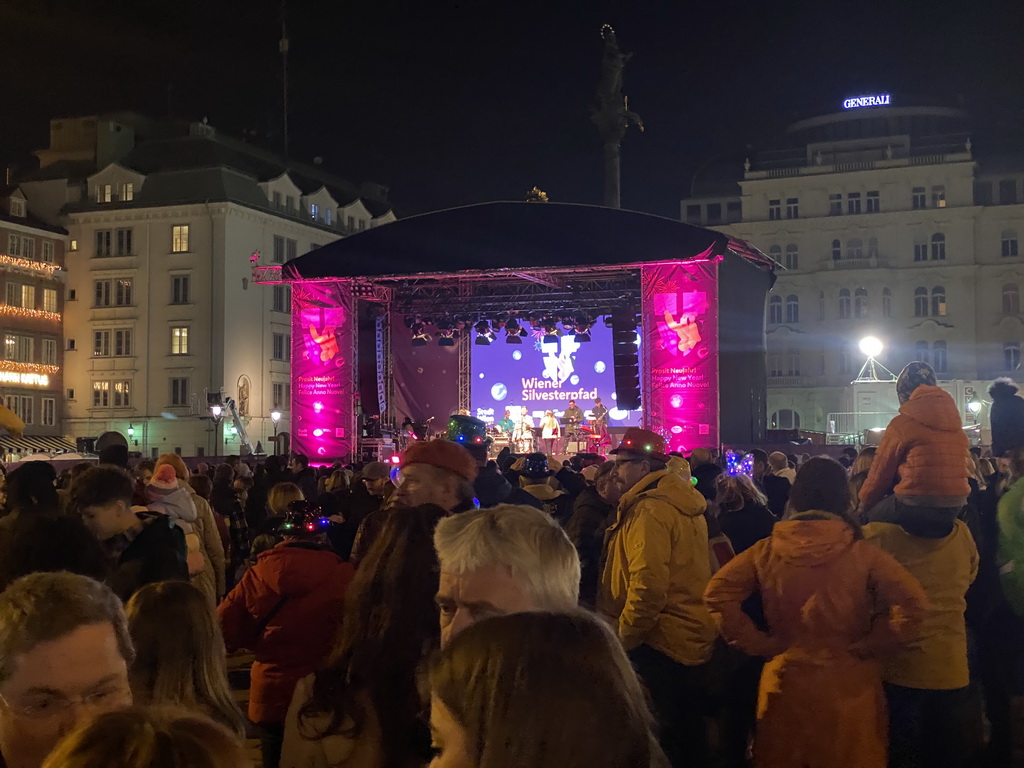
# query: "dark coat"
777,490
706,474
157,553
1007,416
591,516
746,526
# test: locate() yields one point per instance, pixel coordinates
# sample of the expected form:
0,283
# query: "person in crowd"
64,494
926,683
705,471
37,543
1010,555
822,588
926,449
303,475
203,487
774,487
778,463
850,453
211,579
149,737
490,487
864,461
530,690
742,511
31,490
1006,415
64,657
593,511
279,499
142,547
505,559
549,431
225,502
114,456
656,568
143,471
285,609
364,706
260,544
436,472
163,495
179,654
538,480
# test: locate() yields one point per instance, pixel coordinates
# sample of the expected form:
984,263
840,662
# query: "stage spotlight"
607,321
551,332
582,328
446,332
420,337
514,332
567,322
484,334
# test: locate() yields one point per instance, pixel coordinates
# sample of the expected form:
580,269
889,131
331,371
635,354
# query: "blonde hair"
864,460
149,737
509,680
526,541
338,481
280,496
734,491
179,653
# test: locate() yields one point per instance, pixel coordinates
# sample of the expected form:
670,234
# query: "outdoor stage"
527,305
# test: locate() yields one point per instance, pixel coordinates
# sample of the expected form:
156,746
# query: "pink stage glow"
680,332
322,376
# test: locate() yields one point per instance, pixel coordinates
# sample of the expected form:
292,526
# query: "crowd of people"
651,609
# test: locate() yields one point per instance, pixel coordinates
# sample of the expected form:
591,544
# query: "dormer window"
104,193
328,216
314,211
17,207
127,192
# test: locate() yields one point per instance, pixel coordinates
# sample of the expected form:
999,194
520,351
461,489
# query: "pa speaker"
626,359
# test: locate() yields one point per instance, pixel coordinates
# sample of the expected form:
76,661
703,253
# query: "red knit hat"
442,454
642,442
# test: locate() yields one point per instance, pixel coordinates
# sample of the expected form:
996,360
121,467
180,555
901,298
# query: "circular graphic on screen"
499,392
676,401
617,414
517,355
574,379
481,375
600,367
614,397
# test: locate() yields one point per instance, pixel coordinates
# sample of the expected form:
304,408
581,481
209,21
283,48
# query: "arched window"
844,303
886,302
860,303
921,351
775,309
792,257
792,309
855,248
1008,243
784,419
775,252
1011,356
872,247
920,302
938,247
1011,299
837,250
939,361
938,301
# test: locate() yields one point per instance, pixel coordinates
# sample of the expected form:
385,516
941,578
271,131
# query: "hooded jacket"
1007,418
926,448
656,568
820,701
286,610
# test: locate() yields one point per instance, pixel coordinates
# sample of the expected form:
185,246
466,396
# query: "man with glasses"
656,566
64,657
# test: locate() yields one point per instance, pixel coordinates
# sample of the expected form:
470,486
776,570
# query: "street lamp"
275,417
216,413
974,407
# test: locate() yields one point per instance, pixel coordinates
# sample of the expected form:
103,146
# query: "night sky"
455,103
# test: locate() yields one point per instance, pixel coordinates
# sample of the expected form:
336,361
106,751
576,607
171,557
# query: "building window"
101,343
837,250
328,216
714,213
180,285
19,348
775,365
886,302
104,193
774,210
122,394
855,249
939,360
918,198
28,296
983,193
282,347
938,247
844,304
853,202
124,242
792,208
282,298
179,340
872,247
49,299
278,249
921,251
179,238
101,394
123,342
116,293
793,363
775,309
835,204
289,204
920,302
1011,299
73,245
1008,193
282,394
792,309
179,391
46,254
921,351
28,247
938,197
351,223
314,211
784,419
362,224
845,360
277,201
1008,243
104,237
17,207
48,412
792,257
72,294
860,303
938,301
71,394
1011,356
127,192
71,345
13,245
733,211
49,352
821,306
291,248
693,214
874,202
775,252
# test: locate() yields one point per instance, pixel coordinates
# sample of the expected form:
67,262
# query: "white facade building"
887,225
163,220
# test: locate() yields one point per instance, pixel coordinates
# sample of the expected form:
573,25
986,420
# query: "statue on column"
613,115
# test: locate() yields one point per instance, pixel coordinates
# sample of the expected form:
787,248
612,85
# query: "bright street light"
871,346
275,416
216,411
974,407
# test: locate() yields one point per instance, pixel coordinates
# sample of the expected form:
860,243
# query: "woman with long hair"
544,690
742,511
179,653
278,499
832,604
364,706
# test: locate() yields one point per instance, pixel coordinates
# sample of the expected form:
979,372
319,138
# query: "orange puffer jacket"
926,448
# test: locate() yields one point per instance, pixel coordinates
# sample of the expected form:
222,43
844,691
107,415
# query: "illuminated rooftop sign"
880,100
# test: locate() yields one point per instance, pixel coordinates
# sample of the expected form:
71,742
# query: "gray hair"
42,607
526,541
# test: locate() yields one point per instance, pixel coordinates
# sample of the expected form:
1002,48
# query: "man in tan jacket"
656,567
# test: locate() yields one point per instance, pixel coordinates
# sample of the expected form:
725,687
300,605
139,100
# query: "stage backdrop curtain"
426,378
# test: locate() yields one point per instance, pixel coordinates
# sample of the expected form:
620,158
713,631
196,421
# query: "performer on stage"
506,424
549,431
574,415
600,416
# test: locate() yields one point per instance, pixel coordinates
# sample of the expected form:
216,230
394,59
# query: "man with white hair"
502,560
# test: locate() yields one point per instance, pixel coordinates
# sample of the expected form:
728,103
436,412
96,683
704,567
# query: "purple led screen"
543,377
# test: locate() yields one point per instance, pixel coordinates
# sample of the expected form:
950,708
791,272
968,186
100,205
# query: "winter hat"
1002,387
180,470
376,470
590,473
643,442
164,478
442,454
915,375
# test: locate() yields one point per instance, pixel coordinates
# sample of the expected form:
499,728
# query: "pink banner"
323,356
680,338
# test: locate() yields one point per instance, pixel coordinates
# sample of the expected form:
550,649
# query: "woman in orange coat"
832,603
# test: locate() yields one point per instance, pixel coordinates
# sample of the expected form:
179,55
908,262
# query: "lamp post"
131,434
216,414
275,417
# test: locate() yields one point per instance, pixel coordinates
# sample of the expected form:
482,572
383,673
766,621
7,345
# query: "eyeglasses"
47,705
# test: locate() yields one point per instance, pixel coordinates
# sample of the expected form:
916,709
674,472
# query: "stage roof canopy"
512,236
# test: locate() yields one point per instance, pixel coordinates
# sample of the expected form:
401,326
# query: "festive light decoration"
30,374
32,314
29,264
739,464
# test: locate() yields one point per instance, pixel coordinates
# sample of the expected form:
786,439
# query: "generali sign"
881,100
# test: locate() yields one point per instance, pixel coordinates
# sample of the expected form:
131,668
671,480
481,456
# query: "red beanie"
442,454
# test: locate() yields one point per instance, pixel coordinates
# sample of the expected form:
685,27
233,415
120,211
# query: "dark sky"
452,103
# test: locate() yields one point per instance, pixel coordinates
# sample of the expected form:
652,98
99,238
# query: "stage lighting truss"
484,333
550,328
581,327
514,332
418,326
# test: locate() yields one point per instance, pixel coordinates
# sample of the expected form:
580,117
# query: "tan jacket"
656,569
211,580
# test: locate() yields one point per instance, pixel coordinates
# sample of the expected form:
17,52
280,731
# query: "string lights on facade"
33,374
29,264
30,314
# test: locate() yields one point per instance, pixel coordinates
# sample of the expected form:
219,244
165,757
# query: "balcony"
31,267
795,381
870,262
